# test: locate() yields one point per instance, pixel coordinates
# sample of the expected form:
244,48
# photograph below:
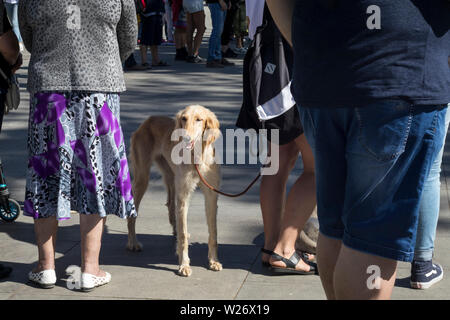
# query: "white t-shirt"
255,12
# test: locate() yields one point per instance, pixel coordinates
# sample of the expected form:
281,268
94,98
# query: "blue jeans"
218,19
429,206
371,164
11,10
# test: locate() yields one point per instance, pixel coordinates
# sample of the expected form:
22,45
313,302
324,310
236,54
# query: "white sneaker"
89,281
45,279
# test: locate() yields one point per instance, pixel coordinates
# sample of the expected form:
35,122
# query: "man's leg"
227,33
352,276
216,17
426,229
330,186
198,19
387,147
390,150
327,254
189,32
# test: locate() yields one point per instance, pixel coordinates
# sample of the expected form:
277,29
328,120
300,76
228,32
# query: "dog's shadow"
158,252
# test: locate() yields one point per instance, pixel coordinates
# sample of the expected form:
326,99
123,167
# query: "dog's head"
199,123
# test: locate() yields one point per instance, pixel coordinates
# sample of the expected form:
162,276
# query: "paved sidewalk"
151,274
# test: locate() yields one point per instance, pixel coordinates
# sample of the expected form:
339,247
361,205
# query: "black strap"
270,252
291,262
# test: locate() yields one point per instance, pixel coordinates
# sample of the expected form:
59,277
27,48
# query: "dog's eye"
198,119
183,119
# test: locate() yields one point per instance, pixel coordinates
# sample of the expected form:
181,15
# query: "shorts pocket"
384,128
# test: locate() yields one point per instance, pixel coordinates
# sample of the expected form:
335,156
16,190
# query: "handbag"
12,98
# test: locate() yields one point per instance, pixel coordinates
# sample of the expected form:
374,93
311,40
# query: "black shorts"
152,30
288,124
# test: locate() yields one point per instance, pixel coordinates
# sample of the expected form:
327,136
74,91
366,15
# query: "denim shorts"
371,163
192,6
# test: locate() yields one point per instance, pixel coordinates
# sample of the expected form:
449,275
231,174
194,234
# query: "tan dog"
151,143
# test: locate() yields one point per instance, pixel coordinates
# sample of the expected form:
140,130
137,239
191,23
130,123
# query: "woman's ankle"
92,269
285,251
44,265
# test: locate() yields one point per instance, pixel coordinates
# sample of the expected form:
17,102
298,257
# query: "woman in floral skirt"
77,159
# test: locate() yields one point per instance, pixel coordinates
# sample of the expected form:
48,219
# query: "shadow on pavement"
158,252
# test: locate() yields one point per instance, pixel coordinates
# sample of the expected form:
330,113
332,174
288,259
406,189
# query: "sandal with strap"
291,263
269,252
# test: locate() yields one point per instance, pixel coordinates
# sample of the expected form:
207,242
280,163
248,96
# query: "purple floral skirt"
77,158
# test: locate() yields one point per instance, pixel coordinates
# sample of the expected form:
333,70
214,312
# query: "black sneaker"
194,59
229,54
425,273
227,63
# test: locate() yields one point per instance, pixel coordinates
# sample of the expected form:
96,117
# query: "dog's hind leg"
140,164
169,180
211,218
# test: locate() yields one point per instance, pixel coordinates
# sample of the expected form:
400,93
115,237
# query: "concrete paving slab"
275,291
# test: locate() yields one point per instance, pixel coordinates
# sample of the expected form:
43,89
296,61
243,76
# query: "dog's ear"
178,117
212,127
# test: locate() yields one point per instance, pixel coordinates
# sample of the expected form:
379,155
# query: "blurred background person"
195,17
152,29
12,7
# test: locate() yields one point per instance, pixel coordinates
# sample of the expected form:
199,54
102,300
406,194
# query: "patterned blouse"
77,45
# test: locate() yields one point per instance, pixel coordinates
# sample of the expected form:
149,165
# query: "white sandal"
90,281
45,279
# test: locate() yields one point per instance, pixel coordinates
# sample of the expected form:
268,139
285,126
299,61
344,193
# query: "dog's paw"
134,246
185,271
215,266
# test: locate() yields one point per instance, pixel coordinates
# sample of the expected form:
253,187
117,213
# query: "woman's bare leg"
143,54
300,204
45,230
91,229
155,55
272,195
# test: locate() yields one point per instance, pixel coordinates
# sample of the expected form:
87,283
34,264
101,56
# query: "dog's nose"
188,142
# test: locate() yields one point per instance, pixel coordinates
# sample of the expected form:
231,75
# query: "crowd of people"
362,98
181,23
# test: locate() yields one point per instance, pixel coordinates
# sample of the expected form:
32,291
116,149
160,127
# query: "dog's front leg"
211,218
183,195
